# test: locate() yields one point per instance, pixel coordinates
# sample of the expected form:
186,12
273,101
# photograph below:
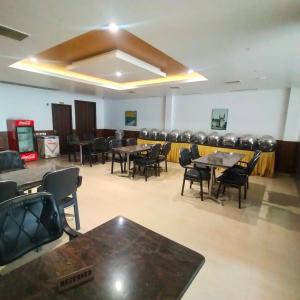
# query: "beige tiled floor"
252,253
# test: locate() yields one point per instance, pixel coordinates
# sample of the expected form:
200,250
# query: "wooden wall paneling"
286,156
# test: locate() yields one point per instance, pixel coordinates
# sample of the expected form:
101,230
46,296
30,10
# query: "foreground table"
29,178
130,262
218,160
132,149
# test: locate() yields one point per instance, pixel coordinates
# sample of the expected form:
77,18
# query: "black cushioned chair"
192,173
117,157
63,184
165,150
194,151
8,189
131,141
28,222
10,161
98,147
234,177
72,146
149,161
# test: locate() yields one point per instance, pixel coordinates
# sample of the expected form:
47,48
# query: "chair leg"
123,169
69,156
76,212
240,196
219,188
245,191
146,173
224,188
103,158
134,170
201,190
183,183
112,166
158,169
191,183
247,182
166,164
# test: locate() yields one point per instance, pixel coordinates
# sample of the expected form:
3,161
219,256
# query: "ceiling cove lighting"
190,71
113,27
33,59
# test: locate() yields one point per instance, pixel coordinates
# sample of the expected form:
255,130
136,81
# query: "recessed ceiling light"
33,59
113,27
118,74
190,71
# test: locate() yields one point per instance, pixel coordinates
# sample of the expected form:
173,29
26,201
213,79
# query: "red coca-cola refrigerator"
21,138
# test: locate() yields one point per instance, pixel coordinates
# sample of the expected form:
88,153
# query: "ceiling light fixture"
113,27
33,59
118,74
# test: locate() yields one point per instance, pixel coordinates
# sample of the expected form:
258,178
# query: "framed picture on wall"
219,118
131,118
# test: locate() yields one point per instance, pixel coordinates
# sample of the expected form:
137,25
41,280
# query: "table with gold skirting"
265,166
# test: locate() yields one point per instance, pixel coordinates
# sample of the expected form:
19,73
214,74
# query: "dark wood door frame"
79,113
68,124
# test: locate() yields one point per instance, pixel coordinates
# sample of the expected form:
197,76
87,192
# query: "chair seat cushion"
161,158
232,177
143,161
197,174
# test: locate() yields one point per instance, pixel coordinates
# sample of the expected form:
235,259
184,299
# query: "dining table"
81,145
125,261
29,178
215,160
130,150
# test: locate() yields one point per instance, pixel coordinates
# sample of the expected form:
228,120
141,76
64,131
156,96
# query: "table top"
220,159
129,260
31,177
133,148
81,143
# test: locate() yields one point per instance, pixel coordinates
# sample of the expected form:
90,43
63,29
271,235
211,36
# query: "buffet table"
265,166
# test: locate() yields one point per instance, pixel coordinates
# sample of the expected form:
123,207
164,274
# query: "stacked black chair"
237,178
165,150
8,189
63,184
72,145
192,173
10,161
29,221
117,157
149,161
98,146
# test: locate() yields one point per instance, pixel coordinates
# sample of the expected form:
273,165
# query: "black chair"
109,138
131,141
117,157
165,150
237,179
88,136
72,145
10,161
63,184
98,146
194,151
8,189
29,221
192,173
149,161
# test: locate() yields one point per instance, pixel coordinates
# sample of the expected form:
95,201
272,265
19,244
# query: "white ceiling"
256,42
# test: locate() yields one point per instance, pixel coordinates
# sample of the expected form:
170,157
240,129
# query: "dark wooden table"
132,149
130,262
81,144
218,160
29,178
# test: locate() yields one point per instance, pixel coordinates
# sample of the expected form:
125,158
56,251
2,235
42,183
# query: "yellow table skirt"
265,166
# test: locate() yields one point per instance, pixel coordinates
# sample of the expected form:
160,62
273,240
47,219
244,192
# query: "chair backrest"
26,223
252,164
61,183
154,151
10,161
72,138
109,138
115,143
185,157
100,144
131,141
88,136
194,151
8,189
166,148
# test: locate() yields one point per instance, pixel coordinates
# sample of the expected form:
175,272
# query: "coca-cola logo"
24,123
29,156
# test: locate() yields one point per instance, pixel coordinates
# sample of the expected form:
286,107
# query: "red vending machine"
21,138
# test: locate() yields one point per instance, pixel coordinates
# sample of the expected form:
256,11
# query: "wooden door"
62,124
85,116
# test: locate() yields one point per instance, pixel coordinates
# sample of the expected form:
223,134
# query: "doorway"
62,124
85,116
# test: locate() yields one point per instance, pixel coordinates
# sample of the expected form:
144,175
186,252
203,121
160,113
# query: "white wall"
17,102
292,126
255,112
150,113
